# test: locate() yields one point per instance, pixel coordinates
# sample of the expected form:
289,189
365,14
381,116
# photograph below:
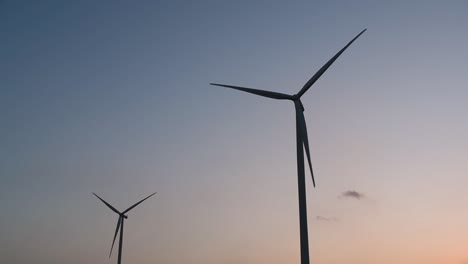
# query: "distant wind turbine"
120,224
302,142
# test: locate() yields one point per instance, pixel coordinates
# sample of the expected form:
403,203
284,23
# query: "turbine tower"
120,224
302,142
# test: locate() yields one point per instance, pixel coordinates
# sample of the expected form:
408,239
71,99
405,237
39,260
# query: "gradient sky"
112,97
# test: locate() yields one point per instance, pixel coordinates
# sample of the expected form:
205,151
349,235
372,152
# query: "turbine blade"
115,235
263,93
133,206
325,67
305,140
106,203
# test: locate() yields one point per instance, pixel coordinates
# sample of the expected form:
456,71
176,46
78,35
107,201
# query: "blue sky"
113,98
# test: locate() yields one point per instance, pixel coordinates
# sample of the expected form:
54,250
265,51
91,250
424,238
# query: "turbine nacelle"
299,104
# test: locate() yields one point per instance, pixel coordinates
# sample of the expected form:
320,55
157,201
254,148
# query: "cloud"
326,219
352,195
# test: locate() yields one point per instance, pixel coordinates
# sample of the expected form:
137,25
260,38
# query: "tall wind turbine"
120,224
302,142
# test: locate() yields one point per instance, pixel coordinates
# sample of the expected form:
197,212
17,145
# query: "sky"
113,97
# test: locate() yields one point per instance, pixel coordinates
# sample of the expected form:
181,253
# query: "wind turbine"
120,224
302,142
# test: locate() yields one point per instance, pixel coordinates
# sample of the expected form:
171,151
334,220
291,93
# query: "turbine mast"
301,188
119,260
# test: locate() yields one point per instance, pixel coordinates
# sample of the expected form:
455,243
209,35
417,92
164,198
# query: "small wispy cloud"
326,219
352,195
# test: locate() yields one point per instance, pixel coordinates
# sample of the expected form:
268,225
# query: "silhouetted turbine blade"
325,67
115,235
263,93
133,206
106,203
305,140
